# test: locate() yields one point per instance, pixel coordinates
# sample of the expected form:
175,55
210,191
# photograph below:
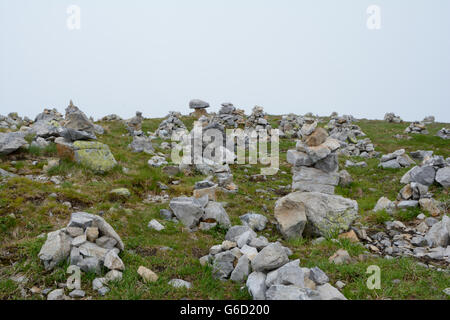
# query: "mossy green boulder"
94,155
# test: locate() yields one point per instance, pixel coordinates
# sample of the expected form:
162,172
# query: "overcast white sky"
285,55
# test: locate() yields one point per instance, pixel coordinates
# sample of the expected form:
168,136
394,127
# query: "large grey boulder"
256,284
11,141
424,175
271,257
6,174
75,135
443,177
291,217
55,249
188,210
45,129
326,214
298,158
318,276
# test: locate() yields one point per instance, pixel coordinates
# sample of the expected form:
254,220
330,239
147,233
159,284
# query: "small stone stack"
199,213
111,117
315,161
266,268
199,106
290,125
49,115
172,124
258,120
134,125
88,242
392,118
444,133
13,122
396,160
229,116
417,127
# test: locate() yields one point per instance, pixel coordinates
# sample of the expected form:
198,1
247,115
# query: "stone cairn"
342,129
392,118
89,243
172,124
258,120
266,266
396,160
290,125
229,116
134,125
315,161
444,133
13,122
417,127
111,118
199,106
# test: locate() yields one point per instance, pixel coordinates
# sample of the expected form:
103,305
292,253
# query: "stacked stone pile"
172,124
315,161
199,213
229,116
391,117
266,268
395,160
290,125
429,120
199,107
89,243
13,122
111,117
417,127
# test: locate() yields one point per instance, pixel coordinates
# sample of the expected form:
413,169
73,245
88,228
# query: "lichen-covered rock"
92,154
11,141
291,217
326,214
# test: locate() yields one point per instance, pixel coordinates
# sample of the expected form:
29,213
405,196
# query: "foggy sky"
285,55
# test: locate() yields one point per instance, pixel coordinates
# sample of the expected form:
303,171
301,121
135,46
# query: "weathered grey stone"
155,225
407,204
11,141
55,249
245,238
57,294
113,261
77,294
328,164
223,265
291,217
439,234
390,164
326,214
424,175
298,158
75,256
90,264
255,221
282,292
256,284
443,177
259,242
318,276
241,270
179,283
289,274
142,144
271,257
74,135
215,212
384,204
198,104
235,231
89,249
314,180
188,210
106,242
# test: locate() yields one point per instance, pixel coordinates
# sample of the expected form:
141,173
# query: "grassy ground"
28,210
